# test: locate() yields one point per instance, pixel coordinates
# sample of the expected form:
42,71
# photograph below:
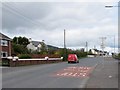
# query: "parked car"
73,58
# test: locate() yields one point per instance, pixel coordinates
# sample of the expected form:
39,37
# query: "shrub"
24,56
19,49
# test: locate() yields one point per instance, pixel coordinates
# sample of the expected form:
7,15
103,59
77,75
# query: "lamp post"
111,6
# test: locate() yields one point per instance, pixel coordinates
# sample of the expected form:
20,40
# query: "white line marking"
64,74
75,74
58,74
70,74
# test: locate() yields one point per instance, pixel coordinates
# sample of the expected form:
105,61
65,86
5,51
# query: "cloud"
60,1
46,21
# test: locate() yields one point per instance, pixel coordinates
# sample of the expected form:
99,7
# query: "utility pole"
114,44
94,47
103,46
86,46
103,43
65,45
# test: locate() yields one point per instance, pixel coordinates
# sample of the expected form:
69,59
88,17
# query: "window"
4,43
4,54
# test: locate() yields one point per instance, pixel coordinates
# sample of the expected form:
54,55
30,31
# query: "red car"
73,58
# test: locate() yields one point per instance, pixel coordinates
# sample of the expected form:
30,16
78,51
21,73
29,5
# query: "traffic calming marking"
74,72
83,75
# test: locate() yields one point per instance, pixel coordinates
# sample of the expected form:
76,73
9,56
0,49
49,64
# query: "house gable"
4,37
5,46
34,46
30,46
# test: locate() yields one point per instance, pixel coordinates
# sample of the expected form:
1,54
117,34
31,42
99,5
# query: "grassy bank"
117,56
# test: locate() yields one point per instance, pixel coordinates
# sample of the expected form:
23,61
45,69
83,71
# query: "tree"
19,45
21,40
19,49
44,48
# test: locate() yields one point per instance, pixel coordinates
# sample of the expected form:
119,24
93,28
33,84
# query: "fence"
15,61
42,56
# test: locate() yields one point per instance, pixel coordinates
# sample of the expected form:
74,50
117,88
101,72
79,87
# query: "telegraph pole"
86,46
102,47
65,45
103,43
94,47
114,44
64,39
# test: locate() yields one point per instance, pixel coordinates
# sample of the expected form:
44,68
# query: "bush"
19,49
116,56
82,54
5,62
24,56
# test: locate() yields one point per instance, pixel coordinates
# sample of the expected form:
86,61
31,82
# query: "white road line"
3,67
75,74
70,74
64,74
83,75
80,73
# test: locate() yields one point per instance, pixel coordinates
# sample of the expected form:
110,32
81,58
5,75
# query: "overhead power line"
19,12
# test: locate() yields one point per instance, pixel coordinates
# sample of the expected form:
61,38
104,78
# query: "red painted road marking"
74,72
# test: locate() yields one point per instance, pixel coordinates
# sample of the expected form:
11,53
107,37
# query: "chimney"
30,39
43,41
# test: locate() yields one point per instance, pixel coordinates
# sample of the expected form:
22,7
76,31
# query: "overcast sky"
83,22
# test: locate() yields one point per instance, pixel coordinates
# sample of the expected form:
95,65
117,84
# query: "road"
58,75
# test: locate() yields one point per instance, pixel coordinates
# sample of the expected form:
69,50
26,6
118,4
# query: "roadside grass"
116,57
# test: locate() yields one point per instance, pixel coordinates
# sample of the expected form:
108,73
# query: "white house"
94,51
34,45
38,46
99,52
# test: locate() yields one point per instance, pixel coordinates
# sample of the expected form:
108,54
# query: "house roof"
99,51
36,43
2,36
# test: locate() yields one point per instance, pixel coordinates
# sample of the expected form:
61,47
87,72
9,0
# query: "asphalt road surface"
58,75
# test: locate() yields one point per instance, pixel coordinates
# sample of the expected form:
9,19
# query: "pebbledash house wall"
5,48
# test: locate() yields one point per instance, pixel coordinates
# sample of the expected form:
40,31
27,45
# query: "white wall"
31,46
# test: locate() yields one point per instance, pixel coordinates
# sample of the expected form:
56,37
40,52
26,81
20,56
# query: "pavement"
88,73
105,75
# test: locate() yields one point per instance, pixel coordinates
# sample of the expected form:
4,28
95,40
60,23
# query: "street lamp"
111,6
